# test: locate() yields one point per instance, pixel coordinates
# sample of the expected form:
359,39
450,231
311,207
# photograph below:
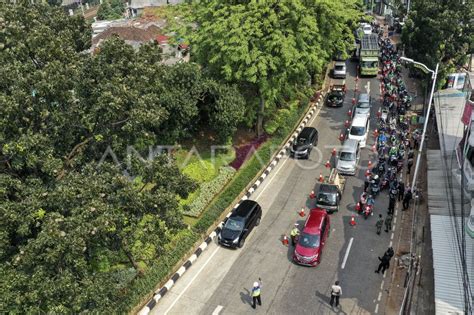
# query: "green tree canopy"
439,31
270,45
81,213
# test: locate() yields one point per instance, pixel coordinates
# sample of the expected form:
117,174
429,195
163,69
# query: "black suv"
304,143
241,222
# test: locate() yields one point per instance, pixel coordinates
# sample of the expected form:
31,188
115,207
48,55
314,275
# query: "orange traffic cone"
374,148
353,221
341,136
328,164
333,152
284,240
312,195
367,172
301,213
321,178
349,112
353,101
379,113
346,123
357,207
370,164
376,133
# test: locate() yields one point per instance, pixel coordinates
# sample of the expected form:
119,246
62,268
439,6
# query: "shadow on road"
245,297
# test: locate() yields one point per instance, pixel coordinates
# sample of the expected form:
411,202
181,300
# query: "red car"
311,241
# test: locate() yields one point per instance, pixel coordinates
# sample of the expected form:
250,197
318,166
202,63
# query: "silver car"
363,105
339,70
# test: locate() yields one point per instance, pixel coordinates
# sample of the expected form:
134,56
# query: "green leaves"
271,45
450,29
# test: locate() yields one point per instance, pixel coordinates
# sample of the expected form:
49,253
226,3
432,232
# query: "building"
136,7
449,203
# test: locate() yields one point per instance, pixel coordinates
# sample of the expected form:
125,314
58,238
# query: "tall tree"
439,31
268,45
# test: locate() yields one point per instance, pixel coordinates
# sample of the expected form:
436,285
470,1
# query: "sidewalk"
422,301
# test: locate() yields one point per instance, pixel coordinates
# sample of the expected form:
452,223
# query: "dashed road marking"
391,236
394,220
391,243
376,308
218,310
347,253
379,297
381,285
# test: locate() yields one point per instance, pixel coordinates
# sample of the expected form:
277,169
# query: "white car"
366,28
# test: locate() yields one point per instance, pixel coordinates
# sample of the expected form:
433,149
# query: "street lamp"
434,75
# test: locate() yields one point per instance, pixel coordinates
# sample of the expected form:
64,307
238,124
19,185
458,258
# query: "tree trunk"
130,257
261,110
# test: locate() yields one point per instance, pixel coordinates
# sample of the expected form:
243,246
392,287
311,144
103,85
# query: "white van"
360,129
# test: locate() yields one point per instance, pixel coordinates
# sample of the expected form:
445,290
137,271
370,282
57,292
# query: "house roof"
449,298
129,33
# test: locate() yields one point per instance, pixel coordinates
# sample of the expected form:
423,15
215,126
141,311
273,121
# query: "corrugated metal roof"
449,298
437,185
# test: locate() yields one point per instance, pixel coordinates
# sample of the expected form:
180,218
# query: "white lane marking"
384,274
376,308
315,115
218,310
381,285
396,211
271,179
380,296
390,245
192,280
394,220
347,253
391,236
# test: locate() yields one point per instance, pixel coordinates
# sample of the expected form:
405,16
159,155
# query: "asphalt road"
221,279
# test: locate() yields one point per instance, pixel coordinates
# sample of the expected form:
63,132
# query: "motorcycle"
374,186
367,211
384,183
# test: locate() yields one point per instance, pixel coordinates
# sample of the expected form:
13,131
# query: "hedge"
140,291
208,191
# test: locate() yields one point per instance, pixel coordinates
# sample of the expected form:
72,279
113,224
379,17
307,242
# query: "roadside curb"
179,273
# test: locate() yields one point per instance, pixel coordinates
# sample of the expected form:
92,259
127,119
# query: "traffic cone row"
284,240
349,112
370,164
328,164
333,152
341,136
347,123
353,101
367,173
312,195
301,213
374,148
321,178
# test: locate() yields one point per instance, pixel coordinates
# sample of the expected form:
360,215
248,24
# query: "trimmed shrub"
208,191
201,171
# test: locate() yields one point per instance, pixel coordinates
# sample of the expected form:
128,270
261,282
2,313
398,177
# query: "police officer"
294,234
256,293
379,224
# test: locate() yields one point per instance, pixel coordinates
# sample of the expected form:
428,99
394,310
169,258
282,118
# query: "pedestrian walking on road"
256,293
388,222
406,199
390,252
336,292
409,165
384,263
391,205
379,224
294,234
411,153
401,190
